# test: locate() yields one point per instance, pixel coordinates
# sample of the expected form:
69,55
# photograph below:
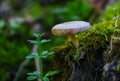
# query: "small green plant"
41,55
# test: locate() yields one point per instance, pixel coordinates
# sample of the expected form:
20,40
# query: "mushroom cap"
70,28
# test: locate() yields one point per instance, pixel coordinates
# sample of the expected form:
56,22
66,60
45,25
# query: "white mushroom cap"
70,28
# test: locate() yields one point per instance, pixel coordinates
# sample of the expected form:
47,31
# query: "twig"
19,72
25,62
37,62
36,29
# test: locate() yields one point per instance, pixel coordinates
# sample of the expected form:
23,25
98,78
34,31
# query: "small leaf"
2,23
37,35
33,55
45,41
33,41
36,56
45,79
32,77
51,73
51,53
37,73
47,53
44,52
29,56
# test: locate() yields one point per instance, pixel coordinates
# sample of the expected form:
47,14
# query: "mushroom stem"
75,41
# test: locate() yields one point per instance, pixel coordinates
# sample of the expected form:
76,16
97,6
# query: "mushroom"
70,29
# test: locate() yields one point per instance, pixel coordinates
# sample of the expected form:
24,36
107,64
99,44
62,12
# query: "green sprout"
42,54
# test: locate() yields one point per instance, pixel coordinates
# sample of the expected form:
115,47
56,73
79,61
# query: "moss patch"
95,43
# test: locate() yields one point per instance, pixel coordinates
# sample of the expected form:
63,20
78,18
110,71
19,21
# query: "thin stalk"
40,52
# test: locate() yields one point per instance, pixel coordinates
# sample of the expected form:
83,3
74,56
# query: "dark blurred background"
20,19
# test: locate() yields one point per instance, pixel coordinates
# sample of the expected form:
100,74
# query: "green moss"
111,12
96,45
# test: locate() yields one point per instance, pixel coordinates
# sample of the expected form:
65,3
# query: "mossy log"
97,58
